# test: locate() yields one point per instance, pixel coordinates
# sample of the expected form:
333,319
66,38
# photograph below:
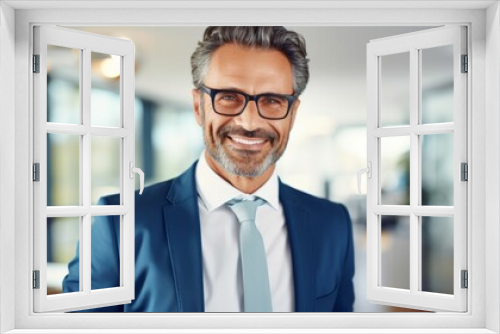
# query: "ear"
197,106
295,109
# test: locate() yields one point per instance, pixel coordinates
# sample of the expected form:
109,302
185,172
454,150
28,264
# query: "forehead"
251,69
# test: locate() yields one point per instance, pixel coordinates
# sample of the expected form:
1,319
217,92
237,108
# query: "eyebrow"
241,91
233,89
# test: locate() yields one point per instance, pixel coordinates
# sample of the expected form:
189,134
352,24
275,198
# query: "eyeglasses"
232,103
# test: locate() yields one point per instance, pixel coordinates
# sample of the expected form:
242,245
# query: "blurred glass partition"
63,234
395,170
437,169
395,89
395,251
63,169
63,76
437,254
106,259
105,94
437,84
105,167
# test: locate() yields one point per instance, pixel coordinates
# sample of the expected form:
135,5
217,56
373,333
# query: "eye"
273,101
228,97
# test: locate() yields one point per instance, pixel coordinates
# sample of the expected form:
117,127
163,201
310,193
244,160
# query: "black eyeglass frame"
213,91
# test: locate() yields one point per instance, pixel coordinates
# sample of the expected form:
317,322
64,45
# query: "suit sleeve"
105,259
345,292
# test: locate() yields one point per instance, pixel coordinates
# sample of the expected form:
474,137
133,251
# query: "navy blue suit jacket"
168,258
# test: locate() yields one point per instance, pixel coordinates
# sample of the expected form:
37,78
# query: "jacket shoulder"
151,194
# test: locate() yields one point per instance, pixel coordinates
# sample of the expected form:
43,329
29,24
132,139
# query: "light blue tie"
256,291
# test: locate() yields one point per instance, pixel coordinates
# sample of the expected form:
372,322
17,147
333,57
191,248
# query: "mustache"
229,130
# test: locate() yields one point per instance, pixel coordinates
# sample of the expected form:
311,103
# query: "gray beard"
220,156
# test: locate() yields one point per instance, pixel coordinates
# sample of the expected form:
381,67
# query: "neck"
247,185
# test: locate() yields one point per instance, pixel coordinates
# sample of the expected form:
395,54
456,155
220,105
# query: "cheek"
283,131
211,128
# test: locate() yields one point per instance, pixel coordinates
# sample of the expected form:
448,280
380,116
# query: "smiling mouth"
248,143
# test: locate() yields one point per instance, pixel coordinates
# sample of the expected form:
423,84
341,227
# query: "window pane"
395,89
63,85
105,252
105,93
437,84
437,254
395,170
437,169
62,244
105,167
395,251
63,169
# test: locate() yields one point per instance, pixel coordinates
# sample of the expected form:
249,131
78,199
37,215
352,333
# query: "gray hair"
290,43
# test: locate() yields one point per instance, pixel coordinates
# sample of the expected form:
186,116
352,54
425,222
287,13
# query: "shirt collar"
214,191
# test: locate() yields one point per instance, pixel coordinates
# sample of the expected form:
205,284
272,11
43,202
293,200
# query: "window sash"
86,43
412,43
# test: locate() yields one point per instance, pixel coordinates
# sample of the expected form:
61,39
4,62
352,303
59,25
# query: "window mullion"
127,84
432,129
85,242
414,170
406,210
86,154
80,130
373,155
81,247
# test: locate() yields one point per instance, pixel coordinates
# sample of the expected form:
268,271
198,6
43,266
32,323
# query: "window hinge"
465,279
36,172
36,63
36,279
464,171
465,64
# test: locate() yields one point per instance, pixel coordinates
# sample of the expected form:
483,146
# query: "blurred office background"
326,149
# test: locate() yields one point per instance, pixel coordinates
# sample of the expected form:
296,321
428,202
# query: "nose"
249,119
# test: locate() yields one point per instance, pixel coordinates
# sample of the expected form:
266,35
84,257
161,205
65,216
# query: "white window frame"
16,216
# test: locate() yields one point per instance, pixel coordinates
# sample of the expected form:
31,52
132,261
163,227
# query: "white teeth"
248,141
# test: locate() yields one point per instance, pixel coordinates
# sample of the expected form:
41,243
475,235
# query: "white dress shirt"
222,277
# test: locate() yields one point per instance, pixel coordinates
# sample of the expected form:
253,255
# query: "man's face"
247,144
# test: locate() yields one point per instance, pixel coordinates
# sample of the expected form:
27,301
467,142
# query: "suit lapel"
182,224
301,245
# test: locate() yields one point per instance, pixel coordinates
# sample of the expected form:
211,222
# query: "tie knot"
245,209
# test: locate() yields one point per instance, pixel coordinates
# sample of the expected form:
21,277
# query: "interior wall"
7,160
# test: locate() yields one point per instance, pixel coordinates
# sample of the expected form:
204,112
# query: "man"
228,235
